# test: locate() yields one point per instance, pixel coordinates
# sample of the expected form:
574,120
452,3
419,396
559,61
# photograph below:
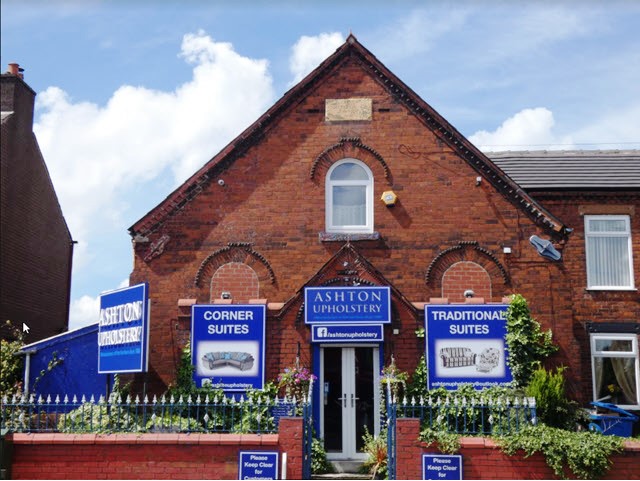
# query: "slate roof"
571,169
354,50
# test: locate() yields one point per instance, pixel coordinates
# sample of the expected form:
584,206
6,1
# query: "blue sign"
465,344
123,330
258,465
227,346
342,333
347,304
441,466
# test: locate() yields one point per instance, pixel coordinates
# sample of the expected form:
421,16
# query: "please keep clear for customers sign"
258,465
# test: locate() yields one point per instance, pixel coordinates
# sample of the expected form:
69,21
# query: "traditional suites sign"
465,344
227,346
345,305
123,330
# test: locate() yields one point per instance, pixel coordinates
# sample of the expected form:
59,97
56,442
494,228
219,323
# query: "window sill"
346,236
611,289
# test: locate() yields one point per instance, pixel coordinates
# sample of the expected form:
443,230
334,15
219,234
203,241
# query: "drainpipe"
27,368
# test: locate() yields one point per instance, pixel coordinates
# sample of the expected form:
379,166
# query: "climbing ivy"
585,454
528,345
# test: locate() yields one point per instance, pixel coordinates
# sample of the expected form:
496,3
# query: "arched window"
349,197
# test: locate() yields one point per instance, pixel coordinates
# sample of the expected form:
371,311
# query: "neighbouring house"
36,247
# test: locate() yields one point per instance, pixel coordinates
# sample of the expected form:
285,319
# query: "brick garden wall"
482,459
149,456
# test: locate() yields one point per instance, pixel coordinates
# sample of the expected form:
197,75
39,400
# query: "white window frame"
588,235
633,354
329,184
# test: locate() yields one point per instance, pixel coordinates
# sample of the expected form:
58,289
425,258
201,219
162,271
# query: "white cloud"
83,312
612,130
86,309
528,129
100,156
309,52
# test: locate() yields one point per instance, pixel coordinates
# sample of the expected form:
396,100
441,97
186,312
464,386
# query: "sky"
134,96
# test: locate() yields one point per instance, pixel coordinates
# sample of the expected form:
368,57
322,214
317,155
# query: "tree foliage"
528,345
11,365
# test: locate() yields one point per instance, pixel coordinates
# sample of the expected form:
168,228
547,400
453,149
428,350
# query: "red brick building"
36,247
351,179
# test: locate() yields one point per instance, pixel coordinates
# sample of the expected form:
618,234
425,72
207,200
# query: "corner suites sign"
465,344
123,330
344,305
227,346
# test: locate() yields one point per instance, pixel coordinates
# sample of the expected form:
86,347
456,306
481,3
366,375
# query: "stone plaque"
348,109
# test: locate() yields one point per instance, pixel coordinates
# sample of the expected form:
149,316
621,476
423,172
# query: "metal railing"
204,414
471,416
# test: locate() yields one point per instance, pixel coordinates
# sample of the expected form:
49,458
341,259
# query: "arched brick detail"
349,147
238,279
472,252
465,275
234,253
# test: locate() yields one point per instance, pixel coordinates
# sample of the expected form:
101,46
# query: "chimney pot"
16,70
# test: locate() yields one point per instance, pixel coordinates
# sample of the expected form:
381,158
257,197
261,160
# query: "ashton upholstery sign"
123,330
227,346
465,344
323,305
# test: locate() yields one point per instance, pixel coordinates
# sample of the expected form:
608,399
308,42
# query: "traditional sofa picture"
488,359
240,360
457,357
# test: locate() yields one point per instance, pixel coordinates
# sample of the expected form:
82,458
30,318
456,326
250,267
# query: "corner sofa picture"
488,359
240,360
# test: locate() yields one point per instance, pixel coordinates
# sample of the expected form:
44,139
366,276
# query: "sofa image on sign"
457,357
239,360
488,359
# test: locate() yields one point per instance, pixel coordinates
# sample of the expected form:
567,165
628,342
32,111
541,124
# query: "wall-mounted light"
225,295
478,180
389,198
469,293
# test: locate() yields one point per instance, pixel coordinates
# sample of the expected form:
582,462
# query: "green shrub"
585,454
553,408
319,462
527,343
375,447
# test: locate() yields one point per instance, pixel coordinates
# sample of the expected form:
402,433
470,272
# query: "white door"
350,399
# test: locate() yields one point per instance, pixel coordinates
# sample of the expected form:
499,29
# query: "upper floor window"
349,197
608,247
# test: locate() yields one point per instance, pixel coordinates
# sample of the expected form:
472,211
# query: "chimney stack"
16,70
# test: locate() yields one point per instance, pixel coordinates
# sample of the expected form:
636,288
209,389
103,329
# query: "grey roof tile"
571,169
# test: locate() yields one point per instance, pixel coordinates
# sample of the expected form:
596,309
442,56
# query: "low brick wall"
482,459
149,456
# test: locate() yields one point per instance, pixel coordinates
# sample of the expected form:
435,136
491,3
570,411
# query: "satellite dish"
545,248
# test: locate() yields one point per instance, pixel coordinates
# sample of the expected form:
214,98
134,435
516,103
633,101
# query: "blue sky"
134,96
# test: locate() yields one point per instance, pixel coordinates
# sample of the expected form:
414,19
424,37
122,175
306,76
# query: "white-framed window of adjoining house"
349,197
608,252
616,369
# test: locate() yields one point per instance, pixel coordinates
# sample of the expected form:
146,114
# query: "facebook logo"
322,332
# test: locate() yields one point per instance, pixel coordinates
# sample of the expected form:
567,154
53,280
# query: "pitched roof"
571,169
423,111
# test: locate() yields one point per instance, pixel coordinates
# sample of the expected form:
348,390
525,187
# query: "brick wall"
36,249
482,459
270,210
149,456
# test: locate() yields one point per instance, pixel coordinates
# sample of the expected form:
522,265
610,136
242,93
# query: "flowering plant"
295,381
614,389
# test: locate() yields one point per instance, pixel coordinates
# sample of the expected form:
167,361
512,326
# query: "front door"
350,399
